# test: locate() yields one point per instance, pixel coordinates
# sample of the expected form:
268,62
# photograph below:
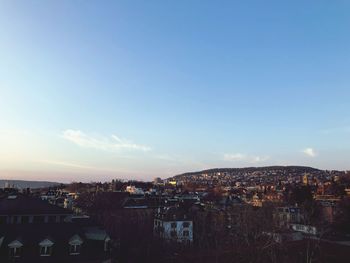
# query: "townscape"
267,214
174,131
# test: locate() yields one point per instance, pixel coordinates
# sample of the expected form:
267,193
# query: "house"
284,216
127,218
134,190
173,224
33,230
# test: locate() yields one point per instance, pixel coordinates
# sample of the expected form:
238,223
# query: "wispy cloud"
259,159
309,152
112,143
67,164
235,157
79,166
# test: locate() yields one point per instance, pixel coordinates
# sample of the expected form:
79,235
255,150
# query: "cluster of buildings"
33,230
98,222
255,176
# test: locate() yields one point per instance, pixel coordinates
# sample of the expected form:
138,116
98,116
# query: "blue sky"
93,90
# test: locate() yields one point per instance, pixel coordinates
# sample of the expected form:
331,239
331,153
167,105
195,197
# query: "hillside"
233,171
254,175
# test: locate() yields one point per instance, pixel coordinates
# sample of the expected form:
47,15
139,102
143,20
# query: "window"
39,219
186,233
45,247
74,249
186,224
173,225
300,227
25,219
52,219
75,243
45,251
173,234
15,249
14,219
3,220
107,245
15,252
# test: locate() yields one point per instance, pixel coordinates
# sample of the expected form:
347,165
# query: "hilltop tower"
306,179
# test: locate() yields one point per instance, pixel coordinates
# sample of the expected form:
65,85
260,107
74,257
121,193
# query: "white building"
134,190
173,224
306,229
284,216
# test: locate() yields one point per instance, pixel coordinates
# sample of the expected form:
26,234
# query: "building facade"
173,225
32,230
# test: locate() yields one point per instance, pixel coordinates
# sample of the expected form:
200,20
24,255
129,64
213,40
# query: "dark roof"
135,202
27,205
102,200
173,214
30,235
26,233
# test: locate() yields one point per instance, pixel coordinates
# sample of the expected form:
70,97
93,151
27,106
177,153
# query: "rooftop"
27,205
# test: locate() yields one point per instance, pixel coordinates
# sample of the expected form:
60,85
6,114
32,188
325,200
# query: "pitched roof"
174,214
102,201
53,232
27,205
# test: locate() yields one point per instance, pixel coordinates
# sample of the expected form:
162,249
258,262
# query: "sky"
97,90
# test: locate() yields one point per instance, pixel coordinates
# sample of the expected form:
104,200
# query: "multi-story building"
32,230
285,216
173,224
134,190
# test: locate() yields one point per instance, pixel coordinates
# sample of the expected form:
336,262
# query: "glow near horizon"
92,91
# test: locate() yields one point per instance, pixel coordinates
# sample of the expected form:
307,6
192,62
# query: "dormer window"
15,252
46,248
74,249
107,244
45,251
173,233
75,245
15,249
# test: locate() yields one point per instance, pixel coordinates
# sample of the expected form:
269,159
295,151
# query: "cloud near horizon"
245,158
309,152
68,164
113,143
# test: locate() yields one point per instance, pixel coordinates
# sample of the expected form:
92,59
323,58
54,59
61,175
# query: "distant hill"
217,173
25,184
304,169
